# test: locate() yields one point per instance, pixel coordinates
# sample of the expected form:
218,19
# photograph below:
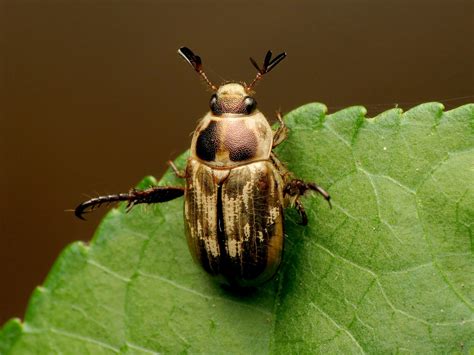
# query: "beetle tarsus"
134,197
297,188
321,191
96,202
300,208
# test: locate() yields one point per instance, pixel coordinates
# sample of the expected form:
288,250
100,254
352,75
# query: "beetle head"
232,97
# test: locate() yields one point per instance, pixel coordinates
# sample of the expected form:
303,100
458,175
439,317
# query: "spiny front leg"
282,131
297,188
134,197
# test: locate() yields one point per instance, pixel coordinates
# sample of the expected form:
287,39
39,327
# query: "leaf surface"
388,269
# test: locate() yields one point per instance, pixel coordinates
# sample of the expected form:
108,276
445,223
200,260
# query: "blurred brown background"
94,96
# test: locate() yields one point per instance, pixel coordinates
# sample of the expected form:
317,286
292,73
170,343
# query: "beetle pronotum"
236,188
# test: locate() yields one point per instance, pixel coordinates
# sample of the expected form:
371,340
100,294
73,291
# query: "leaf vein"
84,338
341,328
108,271
141,348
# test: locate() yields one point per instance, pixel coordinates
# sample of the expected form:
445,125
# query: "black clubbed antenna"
268,64
195,61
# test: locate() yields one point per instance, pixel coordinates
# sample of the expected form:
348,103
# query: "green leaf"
388,269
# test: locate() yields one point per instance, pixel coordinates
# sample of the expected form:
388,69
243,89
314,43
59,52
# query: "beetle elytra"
235,187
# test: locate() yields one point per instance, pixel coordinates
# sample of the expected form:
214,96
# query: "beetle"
235,187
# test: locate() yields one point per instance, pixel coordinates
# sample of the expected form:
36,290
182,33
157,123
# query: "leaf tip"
312,115
9,334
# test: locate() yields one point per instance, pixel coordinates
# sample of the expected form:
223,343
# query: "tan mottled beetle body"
236,189
230,179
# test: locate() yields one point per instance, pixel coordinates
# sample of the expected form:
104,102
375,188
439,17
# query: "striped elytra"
234,227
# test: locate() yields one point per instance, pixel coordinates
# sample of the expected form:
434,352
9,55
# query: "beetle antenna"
268,64
195,61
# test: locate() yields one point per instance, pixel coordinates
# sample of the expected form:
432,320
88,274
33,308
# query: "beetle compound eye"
215,108
250,104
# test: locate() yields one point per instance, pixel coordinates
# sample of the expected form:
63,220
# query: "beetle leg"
279,166
154,194
297,188
179,173
300,208
282,131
